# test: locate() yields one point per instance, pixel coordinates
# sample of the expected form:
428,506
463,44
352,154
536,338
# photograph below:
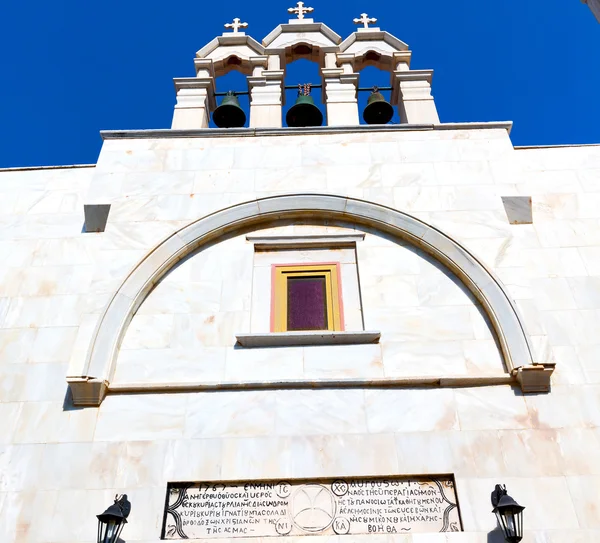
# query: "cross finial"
365,20
300,10
236,25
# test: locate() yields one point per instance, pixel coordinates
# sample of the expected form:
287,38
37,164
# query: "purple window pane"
307,303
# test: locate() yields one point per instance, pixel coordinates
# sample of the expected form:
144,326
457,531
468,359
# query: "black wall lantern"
111,522
509,514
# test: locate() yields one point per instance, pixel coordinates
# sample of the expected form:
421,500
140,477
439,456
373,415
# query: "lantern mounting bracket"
497,494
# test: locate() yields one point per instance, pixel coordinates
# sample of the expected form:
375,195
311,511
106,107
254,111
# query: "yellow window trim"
332,290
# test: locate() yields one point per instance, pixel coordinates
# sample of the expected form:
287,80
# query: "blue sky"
71,68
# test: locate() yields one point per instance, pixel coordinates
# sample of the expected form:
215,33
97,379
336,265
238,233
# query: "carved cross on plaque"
365,20
300,10
236,25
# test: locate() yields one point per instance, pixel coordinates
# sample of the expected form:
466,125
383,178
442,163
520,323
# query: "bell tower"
265,66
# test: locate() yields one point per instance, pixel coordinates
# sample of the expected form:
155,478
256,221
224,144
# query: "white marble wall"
60,466
185,331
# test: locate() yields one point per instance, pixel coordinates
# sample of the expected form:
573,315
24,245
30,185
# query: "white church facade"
341,331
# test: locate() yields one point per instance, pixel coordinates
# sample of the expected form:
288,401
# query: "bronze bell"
378,110
304,112
229,114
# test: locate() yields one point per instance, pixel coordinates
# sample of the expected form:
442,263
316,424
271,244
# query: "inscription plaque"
352,506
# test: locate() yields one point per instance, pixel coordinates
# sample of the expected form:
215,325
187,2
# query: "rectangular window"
306,298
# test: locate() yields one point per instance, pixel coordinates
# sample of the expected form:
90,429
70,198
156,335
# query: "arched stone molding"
374,47
233,52
315,38
91,386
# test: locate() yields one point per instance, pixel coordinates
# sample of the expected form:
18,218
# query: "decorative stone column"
195,98
341,97
412,93
266,93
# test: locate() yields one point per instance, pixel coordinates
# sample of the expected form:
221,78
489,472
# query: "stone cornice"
229,40
194,83
166,133
302,28
414,75
374,35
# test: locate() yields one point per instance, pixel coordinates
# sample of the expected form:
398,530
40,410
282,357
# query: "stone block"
9,415
518,209
316,412
96,217
47,422
171,365
141,417
256,458
16,345
423,358
422,410
193,460
344,455
500,408
264,364
343,362
231,414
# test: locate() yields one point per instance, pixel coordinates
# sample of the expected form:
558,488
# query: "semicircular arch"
101,357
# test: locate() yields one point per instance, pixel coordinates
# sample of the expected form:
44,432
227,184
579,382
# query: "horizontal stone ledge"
167,133
303,384
294,339
267,243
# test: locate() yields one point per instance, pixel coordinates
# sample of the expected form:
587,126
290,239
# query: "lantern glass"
511,522
111,522
110,530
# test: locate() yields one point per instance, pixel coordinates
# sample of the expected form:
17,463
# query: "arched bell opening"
303,51
231,109
376,108
298,73
374,59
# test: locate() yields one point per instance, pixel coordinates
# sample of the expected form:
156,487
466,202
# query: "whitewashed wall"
185,331
60,466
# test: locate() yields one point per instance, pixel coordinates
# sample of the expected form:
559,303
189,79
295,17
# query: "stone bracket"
535,378
87,391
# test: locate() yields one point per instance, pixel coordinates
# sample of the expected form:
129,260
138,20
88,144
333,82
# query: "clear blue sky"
71,68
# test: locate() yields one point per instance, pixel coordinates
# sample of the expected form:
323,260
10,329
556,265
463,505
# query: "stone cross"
300,10
236,25
364,20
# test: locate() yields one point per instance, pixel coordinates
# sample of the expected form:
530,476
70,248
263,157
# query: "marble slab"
355,506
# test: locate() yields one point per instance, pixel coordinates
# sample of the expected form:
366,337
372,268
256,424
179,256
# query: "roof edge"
60,167
555,146
253,132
